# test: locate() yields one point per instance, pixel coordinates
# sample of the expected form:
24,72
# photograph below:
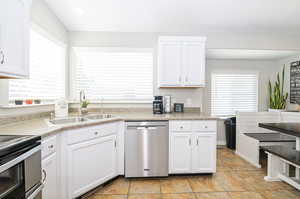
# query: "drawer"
81,135
49,146
180,126
85,134
204,126
106,129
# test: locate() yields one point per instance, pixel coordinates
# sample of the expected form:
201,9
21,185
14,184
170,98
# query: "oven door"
12,182
12,173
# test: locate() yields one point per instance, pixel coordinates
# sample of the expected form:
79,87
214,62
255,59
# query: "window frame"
235,72
72,71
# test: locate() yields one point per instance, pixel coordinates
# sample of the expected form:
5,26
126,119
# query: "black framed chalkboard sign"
295,83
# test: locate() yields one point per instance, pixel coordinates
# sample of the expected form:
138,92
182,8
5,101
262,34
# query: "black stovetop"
11,143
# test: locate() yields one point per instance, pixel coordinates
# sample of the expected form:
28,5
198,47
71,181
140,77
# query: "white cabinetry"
181,61
92,157
90,164
50,168
14,38
192,147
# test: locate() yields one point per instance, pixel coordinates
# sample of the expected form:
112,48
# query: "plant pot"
37,101
18,102
276,110
84,111
29,101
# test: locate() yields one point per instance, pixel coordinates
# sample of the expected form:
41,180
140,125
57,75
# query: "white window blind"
233,92
114,74
47,71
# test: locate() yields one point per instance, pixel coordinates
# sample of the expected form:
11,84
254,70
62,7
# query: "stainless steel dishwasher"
147,149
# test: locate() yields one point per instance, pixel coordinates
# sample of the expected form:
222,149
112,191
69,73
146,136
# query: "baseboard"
221,143
270,179
248,160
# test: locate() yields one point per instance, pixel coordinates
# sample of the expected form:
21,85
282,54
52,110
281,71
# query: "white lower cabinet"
90,157
180,153
49,166
91,163
192,148
204,153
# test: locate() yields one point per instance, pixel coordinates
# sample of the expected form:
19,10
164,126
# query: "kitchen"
128,100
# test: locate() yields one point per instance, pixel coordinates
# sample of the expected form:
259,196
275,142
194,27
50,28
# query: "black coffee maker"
158,105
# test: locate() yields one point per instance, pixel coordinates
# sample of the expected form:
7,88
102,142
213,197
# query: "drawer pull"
181,127
51,146
205,127
96,133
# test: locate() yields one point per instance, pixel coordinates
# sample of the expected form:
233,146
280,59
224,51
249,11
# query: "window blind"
114,74
233,92
47,71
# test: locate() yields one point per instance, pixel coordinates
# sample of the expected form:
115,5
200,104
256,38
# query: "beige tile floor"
235,179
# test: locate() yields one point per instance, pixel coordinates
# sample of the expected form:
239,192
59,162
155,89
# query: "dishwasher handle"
147,128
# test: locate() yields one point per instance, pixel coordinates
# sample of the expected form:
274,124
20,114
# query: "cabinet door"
14,38
169,66
204,153
193,62
180,152
49,166
90,164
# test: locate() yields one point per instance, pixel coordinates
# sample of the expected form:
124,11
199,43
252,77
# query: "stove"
12,143
20,167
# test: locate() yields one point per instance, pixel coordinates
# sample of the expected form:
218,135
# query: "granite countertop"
285,128
42,127
284,152
271,137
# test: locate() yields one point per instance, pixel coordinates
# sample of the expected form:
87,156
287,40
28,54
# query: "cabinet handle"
197,142
51,146
2,58
190,142
115,143
45,175
96,133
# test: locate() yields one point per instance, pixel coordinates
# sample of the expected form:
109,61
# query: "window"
233,92
47,71
114,74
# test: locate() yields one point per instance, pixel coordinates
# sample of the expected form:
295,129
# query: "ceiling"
177,15
249,54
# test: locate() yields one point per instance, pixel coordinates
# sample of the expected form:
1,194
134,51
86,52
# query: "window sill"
114,102
25,106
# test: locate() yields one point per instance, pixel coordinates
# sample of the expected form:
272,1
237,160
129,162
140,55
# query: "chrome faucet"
81,98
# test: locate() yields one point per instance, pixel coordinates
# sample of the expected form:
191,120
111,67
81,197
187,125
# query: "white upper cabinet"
169,58
14,38
181,61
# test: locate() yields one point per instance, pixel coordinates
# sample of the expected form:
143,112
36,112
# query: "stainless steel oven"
20,167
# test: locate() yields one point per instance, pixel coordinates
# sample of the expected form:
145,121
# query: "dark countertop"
287,153
286,128
271,137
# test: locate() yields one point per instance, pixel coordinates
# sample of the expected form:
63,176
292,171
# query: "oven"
20,172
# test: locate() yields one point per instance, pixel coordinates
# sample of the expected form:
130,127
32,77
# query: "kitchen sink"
99,117
68,120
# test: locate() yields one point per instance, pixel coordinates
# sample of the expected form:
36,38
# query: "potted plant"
83,106
278,98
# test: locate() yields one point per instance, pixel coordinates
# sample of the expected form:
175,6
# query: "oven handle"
19,159
36,192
